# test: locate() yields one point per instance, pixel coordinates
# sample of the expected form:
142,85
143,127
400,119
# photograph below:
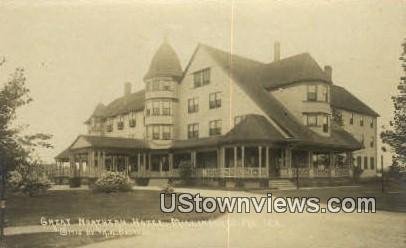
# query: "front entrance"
275,162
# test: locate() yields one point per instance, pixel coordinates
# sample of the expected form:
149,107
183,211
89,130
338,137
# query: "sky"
79,53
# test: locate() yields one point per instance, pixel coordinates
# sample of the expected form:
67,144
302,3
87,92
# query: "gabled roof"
109,142
253,128
343,99
64,155
133,103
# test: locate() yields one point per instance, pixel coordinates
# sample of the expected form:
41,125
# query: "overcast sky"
79,54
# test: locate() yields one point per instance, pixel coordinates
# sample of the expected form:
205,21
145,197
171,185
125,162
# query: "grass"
384,201
48,240
144,205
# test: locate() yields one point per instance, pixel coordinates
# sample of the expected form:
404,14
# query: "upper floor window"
166,108
317,93
352,119
155,108
132,122
372,142
371,124
109,125
166,132
325,123
193,105
215,127
120,123
215,100
201,78
160,85
238,119
361,121
323,93
312,92
155,132
193,131
311,120
365,162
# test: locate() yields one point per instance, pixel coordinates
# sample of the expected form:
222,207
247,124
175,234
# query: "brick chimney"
329,71
276,51
127,89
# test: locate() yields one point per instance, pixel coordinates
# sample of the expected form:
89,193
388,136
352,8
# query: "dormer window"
317,93
120,123
132,122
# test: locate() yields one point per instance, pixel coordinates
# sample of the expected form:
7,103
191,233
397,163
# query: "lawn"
48,240
389,201
144,205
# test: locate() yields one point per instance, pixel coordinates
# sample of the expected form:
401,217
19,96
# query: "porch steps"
281,184
158,182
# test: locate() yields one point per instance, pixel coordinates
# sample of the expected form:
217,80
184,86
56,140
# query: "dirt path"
382,229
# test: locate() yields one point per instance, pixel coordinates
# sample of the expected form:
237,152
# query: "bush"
185,172
112,182
31,183
14,180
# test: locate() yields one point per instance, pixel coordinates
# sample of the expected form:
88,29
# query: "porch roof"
64,155
85,141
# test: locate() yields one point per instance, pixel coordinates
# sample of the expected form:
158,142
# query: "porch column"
160,167
193,158
126,162
350,163
138,163
288,161
260,156
332,165
309,163
170,157
242,156
267,161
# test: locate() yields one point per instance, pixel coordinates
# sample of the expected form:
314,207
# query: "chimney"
276,51
329,72
127,89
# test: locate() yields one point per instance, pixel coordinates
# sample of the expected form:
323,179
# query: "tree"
396,136
15,149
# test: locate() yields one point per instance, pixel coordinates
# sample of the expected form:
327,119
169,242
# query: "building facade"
232,120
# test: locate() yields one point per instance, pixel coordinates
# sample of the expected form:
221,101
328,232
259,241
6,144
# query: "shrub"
14,180
185,172
31,183
112,182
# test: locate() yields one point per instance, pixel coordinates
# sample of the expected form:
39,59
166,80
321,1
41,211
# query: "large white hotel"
235,121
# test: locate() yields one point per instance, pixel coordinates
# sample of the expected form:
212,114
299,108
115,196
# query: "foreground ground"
381,229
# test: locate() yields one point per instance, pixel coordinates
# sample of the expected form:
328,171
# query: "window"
372,162
323,93
131,121
325,124
214,100
359,161
166,108
193,131
109,128
352,119
371,124
201,78
193,105
155,132
166,85
120,123
238,119
365,163
166,132
372,142
363,140
312,92
311,120
361,121
215,127
155,108
155,85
